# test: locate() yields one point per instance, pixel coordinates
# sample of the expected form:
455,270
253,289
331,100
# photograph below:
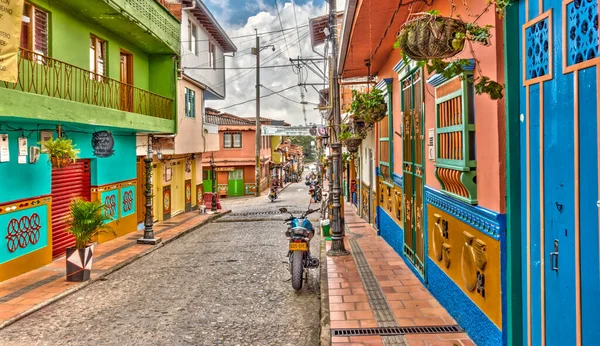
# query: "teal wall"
20,181
41,234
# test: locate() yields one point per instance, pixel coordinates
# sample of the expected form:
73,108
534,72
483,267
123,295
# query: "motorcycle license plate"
297,246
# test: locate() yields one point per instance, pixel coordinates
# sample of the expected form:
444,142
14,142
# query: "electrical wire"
254,35
289,98
281,24
254,99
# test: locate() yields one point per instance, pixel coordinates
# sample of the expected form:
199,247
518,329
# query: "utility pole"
337,236
258,137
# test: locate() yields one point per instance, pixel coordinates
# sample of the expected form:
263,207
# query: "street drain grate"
388,331
260,213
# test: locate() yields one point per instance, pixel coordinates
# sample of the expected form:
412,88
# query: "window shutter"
193,104
40,31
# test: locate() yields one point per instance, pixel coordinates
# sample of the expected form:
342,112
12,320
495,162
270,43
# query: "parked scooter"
315,192
273,194
299,234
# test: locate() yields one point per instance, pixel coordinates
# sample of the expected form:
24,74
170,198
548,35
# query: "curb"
109,271
324,339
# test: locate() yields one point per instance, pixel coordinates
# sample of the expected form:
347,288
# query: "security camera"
273,48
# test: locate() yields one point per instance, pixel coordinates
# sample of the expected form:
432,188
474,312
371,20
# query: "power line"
287,98
236,68
296,21
281,24
254,35
254,99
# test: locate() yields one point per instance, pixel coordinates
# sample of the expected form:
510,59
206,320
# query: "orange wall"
490,115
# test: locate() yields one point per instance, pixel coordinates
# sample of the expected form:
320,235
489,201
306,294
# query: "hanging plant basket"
432,37
376,114
60,162
352,144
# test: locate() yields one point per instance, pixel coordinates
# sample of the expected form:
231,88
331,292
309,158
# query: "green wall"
69,42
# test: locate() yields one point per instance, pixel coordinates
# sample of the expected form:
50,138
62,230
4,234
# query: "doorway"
413,171
236,183
127,81
177,188
68,183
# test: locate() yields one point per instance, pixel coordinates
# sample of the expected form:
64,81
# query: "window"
386,137
455,138
212,62
97,57
34,30
190,103
193,39
232,140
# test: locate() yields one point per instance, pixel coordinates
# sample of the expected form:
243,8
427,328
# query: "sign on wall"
10,33
103,144
224,169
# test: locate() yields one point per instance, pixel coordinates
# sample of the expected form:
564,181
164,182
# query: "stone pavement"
29,292
228,283
383,293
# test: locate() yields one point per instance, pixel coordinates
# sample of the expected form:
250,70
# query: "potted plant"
86,221
61,150
350,137
432,40
368,107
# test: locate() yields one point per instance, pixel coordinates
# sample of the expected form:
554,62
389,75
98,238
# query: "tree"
304,141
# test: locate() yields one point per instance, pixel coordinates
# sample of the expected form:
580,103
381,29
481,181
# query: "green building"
100,73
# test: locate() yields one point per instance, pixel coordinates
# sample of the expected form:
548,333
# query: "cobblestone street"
226,283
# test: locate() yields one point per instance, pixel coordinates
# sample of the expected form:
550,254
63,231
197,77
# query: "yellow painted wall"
465,253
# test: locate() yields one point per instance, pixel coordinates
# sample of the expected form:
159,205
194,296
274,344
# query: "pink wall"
490,115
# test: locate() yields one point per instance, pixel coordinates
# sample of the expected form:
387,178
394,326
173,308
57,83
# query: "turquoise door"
559,171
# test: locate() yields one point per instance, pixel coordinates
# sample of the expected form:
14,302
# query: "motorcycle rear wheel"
297,269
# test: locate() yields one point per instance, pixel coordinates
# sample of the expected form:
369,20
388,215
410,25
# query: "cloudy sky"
241,17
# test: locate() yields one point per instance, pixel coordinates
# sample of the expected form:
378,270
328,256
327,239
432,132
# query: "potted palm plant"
61,150
86,221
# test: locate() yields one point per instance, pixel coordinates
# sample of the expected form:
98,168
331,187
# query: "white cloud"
240,83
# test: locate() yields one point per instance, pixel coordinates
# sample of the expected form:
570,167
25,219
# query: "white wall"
367,169
213,78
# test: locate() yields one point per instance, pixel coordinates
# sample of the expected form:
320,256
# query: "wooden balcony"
42,75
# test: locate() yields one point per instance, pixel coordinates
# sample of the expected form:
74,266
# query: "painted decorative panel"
582,31
23,229
110,199
166,202
199,195
250,189
128,203
470,258
188,195
537,49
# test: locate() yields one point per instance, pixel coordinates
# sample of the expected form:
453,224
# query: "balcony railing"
42,75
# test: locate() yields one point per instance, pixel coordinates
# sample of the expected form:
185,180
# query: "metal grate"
388,331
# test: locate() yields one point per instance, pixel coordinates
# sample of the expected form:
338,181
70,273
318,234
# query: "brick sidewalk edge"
110,270
325,339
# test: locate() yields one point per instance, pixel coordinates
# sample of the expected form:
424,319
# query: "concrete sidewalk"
373,287
29,292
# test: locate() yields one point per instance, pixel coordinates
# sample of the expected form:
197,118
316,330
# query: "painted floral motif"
110,206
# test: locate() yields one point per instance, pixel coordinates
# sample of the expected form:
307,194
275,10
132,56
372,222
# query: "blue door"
559,171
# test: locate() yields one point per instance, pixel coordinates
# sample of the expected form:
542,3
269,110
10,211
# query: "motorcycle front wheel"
297,270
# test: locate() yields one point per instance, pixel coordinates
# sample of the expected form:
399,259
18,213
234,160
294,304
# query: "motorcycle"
315,192
273,194
299,234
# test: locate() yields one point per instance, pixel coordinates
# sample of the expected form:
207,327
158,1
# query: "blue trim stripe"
398,179
479,327
383,83
484,220
399,66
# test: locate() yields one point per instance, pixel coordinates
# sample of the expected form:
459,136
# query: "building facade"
178,184
84,76
235,160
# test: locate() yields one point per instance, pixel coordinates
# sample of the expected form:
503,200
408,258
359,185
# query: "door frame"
126,94
177,188
409,72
